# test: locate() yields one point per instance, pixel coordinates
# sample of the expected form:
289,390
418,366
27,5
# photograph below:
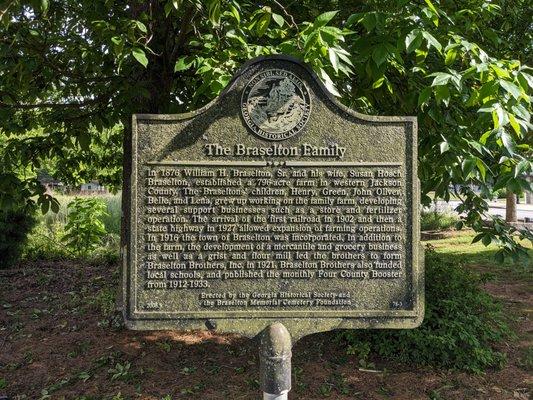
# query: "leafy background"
73,72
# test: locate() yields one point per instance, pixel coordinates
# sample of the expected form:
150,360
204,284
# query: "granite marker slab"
273,203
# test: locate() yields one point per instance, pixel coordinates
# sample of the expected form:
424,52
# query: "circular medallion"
275,104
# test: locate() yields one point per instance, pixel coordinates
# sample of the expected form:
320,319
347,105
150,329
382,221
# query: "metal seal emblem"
275,104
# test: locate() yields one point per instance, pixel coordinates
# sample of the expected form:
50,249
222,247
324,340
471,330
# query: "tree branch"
53,105
292,22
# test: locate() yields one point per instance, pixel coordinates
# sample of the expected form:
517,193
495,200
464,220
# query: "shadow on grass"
460,249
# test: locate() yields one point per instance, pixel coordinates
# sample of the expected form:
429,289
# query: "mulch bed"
56,342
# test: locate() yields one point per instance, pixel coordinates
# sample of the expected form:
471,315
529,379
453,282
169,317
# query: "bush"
15,224
50,240
462,323
44,243
85,229
437,220
111,220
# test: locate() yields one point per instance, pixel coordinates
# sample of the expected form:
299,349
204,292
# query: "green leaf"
468,166
324,18
514,124
213,10
441,78
84,376
343,55
182,64
500,72
167,8
262,24
329,83
389,86
485,136
528,78
413,40
141,26
514,186
140,56
117,40
370,21
235,12
84,140
118,44
310,40
451,55
334,59
521,111
478,237
45,206
430,13
481,168
522,167
45,4
442,93
507,141
378,83
432,41
54,205
444,147
511,88
380,53
431,6
224,80
333,33
499,116
424,95
525,184
278,19
486,239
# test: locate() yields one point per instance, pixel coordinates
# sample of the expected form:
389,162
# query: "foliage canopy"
74,71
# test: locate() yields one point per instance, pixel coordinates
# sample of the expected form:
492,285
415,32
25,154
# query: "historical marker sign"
273,203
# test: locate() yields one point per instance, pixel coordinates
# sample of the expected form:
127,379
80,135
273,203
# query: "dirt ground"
57,341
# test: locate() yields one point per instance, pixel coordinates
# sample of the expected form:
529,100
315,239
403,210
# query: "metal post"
275,362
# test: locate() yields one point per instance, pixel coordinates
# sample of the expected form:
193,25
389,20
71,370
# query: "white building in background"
92,187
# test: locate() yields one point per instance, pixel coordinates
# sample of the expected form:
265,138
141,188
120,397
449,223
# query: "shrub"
15,224
44,243
85,229
462,323
111,219
437,220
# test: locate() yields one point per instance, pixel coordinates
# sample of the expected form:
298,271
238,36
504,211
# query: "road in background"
524,212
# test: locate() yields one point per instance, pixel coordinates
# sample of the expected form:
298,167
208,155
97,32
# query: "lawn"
458,247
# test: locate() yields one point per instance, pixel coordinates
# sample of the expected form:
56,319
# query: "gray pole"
275,362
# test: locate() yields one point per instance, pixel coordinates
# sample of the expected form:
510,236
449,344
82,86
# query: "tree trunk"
510,207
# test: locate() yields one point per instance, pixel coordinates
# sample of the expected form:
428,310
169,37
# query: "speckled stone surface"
367,139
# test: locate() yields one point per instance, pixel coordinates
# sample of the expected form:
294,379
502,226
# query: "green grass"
461,250
437,221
